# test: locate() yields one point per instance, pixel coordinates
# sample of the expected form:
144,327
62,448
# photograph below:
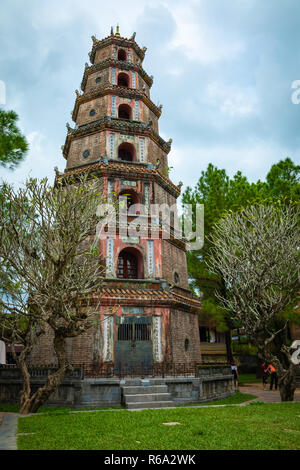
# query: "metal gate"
133,344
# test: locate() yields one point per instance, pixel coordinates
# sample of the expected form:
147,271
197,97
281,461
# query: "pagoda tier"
147,312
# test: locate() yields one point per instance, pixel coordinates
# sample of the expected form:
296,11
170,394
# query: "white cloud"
232,100
92,13
199,40
39,161
254,159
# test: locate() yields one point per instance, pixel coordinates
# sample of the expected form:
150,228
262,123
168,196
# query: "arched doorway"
126,152
123,80
122,55
125,111
132,199
133,334
130,264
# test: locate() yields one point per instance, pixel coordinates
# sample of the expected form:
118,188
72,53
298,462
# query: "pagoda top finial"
118,31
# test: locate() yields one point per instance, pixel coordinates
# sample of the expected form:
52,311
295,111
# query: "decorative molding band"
98,92
123,171
119,41
121,125
110,62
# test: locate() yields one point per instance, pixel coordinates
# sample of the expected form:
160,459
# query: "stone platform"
210,383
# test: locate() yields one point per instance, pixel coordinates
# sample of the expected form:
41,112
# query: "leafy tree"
219,193
13,145
256,252
49,270
283,181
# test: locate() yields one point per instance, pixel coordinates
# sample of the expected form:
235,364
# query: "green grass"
9,408
238,397
248,379
235,399
256,427
53,409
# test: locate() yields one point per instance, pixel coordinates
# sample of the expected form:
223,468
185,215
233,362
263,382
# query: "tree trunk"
287,385
40,397
287,392
26,389
228,346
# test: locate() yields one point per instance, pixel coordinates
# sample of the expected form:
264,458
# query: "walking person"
264,375
234,371
274,377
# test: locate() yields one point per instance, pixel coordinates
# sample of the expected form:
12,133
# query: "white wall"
2,353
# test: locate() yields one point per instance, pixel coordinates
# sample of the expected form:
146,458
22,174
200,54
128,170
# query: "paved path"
265,395
8,431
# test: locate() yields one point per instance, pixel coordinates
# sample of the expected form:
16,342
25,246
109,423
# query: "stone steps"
149,405
135,390
146,395
149,397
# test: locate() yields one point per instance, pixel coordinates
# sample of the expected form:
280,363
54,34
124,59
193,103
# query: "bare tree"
50,270
257,253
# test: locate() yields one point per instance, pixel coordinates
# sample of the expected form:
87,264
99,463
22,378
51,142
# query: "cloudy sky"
223,70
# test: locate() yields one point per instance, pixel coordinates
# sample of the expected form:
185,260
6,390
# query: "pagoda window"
130,264
123,80
86,154
125,111
132,199
122,54
126,152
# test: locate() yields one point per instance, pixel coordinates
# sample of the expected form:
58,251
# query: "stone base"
211,383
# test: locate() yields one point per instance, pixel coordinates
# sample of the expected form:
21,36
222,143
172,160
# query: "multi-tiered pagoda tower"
148,314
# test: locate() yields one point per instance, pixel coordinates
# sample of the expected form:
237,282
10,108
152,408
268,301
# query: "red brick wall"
103,53
155,153
95,143
79,349
174,260
161,196
98,104
185,326
91,81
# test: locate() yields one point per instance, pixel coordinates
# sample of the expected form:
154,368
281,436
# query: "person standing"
264,375
274,377
235,374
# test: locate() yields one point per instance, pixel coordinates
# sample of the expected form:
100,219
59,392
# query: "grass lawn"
238,397
248,379
52,409
261,426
